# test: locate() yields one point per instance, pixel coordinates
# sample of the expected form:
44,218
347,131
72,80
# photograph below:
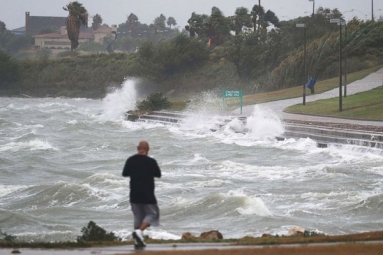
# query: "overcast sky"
12,12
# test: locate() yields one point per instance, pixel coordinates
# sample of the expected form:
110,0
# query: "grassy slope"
366,105
320,87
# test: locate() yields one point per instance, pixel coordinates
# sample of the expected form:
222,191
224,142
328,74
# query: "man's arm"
156,169
127,169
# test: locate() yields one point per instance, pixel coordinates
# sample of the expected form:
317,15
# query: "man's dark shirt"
142,170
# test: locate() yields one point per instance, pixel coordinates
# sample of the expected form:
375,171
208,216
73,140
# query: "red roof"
59,36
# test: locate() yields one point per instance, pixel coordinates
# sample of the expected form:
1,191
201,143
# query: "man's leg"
139,215
144,226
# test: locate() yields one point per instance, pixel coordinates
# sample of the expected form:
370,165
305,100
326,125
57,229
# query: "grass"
273,240
365,105
293,92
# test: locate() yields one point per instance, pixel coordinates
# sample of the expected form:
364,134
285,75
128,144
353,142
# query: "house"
59,41
103,32
50,32
19,31
36,24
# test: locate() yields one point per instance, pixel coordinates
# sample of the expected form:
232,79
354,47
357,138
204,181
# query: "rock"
132,117
213,234
266,235
187,236
296,231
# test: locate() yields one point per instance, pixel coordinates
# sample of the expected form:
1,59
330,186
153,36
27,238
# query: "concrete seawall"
322,135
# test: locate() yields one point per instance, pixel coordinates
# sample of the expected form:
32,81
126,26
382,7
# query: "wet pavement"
129,249
370,82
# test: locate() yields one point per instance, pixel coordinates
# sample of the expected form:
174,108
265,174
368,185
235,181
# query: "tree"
97,21
2,28
159,23
195,24
270,18
9,69
133,23
171,22
217,27
241,19
257,13
78,16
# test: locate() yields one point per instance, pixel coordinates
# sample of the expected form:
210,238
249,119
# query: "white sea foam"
7,189
72,122
118,102
162,235
126,234
52,104
13,107
252,205
264,123
32,145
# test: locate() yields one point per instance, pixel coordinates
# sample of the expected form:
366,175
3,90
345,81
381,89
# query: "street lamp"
345,59
340,22
313,7
302,25
372,10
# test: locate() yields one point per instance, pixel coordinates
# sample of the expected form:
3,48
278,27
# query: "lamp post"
340,23
345,59
372,10
302,25
313,7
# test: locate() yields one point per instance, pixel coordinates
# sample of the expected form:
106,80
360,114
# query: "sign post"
231,93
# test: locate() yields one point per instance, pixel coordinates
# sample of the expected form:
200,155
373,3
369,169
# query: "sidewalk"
179,248
371,81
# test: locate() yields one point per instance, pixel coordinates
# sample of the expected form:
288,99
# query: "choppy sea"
61,162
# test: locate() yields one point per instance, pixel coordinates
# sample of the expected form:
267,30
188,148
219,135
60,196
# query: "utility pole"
340,66
372,10
340,23
345,60
302,25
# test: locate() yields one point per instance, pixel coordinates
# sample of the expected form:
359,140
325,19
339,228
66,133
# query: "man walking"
142,169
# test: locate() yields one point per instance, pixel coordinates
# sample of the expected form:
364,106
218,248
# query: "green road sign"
231,93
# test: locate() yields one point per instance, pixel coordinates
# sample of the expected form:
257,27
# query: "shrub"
154,102
67,53
7,238
93,232
9,69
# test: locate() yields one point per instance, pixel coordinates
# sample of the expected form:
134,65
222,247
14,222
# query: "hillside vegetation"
261,54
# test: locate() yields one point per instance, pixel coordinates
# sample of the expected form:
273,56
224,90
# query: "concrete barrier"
322,135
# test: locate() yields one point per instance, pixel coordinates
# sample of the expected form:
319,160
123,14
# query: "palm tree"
195,24
78,16
270,18
171,22
97,21
132,23
159,23
241,19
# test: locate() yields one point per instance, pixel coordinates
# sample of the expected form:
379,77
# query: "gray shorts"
149,213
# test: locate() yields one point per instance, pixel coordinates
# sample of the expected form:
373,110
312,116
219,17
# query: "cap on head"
143,148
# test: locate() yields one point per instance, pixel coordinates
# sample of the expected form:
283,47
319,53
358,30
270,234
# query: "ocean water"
61,162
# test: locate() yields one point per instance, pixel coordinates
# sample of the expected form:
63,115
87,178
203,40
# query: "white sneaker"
138,238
